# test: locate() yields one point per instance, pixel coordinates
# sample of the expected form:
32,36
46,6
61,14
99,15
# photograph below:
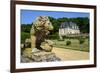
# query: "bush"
81,40
68,42
24,35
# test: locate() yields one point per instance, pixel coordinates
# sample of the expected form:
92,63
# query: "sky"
29,16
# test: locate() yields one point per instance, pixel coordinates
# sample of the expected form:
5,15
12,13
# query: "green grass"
75,45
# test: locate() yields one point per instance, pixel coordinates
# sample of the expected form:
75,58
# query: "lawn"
75,45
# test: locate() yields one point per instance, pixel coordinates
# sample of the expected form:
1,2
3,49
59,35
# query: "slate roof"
71,25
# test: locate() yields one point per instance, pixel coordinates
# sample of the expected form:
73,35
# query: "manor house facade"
68,28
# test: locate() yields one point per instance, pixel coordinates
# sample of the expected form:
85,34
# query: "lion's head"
42,23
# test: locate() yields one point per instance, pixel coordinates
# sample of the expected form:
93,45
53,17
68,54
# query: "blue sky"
28,16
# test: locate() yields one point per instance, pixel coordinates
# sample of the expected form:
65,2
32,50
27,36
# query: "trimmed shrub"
68,43
81,40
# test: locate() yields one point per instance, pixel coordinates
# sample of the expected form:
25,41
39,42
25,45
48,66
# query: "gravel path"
66,54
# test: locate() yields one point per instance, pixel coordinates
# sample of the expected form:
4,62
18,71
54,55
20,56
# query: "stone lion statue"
39,31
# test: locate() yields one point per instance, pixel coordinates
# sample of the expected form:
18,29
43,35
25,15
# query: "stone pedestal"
40,56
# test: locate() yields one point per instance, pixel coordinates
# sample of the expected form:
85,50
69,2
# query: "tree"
55,24
26,27
83,23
